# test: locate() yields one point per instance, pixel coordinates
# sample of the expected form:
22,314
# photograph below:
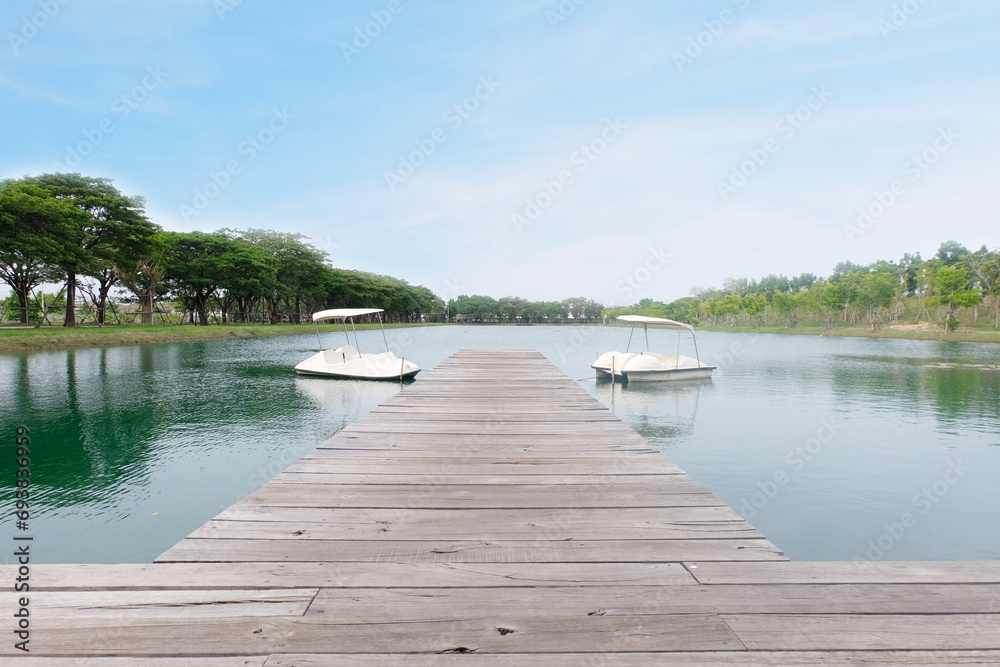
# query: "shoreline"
27,339
938,335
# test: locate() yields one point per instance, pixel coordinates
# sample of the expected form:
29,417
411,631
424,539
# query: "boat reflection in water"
660,412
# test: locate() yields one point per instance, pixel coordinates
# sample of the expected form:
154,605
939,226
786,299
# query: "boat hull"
346,363
669,375
650,367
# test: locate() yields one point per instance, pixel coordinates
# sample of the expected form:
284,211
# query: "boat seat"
341,355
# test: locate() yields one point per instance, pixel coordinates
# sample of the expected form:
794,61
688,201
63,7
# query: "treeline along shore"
117,266
122,278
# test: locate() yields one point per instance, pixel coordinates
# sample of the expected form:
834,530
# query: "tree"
876,290
773,283
953,290
511,308
737,286
574,306
909,268
198,265
843,268
754,305
107,224
35,236
729,306
787,304
142,275
710,309
951,252
593,310
986,266
840,295
300,270
802,282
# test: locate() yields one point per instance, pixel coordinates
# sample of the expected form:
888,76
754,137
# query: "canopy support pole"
630,331
695,341
357,345
318,339
379,316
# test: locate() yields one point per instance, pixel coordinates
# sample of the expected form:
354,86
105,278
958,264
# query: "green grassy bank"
30,338
962,336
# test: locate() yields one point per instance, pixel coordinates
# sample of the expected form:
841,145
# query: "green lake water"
835,448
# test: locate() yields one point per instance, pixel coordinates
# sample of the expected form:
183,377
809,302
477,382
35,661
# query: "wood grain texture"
674,659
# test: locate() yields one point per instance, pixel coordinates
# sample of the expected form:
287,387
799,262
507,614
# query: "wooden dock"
495,513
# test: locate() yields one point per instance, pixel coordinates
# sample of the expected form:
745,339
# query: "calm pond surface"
835,448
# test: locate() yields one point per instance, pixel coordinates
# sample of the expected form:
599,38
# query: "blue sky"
544,149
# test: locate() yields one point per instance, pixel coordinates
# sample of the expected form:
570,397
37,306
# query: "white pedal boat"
348,361
650,366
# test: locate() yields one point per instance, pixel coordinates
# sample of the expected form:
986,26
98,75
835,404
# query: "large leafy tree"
953,289
107,226
951,252
198,266
986,266
301,270
37,234
142,274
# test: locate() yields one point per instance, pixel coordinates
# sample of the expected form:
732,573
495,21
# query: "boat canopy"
655,322
344,313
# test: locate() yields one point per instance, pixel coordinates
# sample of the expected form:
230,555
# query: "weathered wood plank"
470,413
345,604
467,525
902,572
482,496
137,661
171,576
473,452
644,521
455,551
675,659
487,428
191,604
479,466
672,481
510,449
519,633
867,632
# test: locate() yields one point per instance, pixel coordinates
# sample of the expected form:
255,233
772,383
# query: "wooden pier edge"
495,513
